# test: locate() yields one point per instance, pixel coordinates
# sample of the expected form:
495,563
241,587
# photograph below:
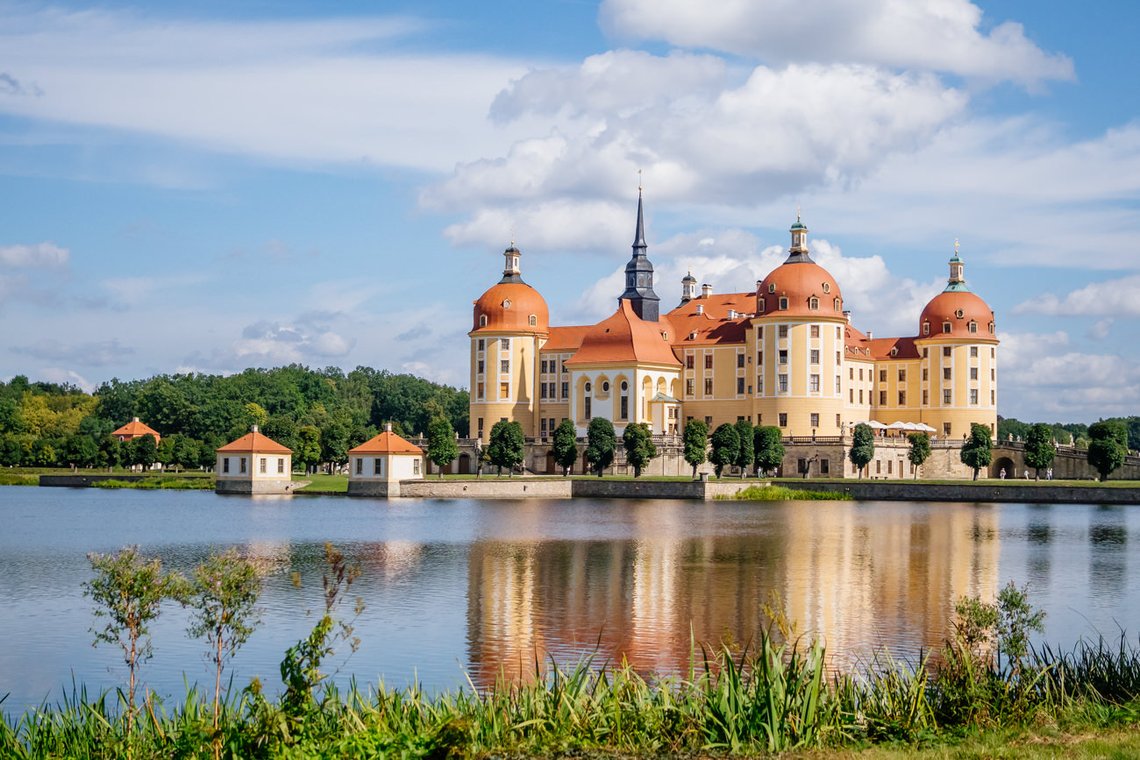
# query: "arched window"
926,328
838,305
532,320
973,326
813,303
991,328
783,303
482,320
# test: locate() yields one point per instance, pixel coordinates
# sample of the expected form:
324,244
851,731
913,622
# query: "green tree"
919,450
768,448
565,446
639,447
144,451
862,446
128,590
1039,448
601,442
164,454
308,452
696,441
442,448
977,451
725,446
745,452
222,595
82,451
507,447
187,452
110,452
1108,444
255,414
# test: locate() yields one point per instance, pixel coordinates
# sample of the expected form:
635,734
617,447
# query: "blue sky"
252,184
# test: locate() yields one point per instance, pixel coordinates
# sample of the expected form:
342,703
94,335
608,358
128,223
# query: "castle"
786,354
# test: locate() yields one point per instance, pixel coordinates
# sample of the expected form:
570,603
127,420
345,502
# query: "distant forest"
1069,432
319,414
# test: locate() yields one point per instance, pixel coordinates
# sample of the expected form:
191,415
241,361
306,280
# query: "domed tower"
957,340
510,324
797,338
688,288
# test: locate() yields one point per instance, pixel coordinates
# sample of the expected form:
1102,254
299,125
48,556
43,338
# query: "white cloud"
937,35
297,91
1119,297
45,255
1100,329
127,292
89,354
551,225
62,375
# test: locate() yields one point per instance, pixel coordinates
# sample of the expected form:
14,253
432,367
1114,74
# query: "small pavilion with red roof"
254,464
136,429
376,467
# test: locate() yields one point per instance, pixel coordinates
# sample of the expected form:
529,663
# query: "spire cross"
639,181
955,246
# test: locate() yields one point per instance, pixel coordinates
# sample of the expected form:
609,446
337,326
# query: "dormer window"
973,326
482,320
959,314
813,303
991,328
894,351
827,287
760,304
506,303
771,287
532,320
783,303
838,305
946,327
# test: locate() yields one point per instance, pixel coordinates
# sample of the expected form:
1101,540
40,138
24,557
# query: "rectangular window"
838,385
974,396
945,373
813,383
889,463
759,358
739,361
543,366
225,464
708,361
973,352
262,465
824,467
416,466
480,369
505,344
689,387
505,366
241,466
925,398
479,427
902,375
993,374
814,419
815,331
377,466
783,356
565,390
878,467
624,413
759,385
925,374
882,376
902,398
543,428
783,417
946,396
851,395
882,398
359,465
946,351
861,374
850,373
838,422
280,465
782,383
739,385
586,407
973,373
480,344
542,389
946,429
479,391
925,353
782,331
993,398
815,356
689,361
708,421
860,395
504,390
708,386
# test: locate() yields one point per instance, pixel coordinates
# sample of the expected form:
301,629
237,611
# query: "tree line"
318,413
1067,433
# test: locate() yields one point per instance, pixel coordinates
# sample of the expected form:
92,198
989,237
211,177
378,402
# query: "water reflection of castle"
861,579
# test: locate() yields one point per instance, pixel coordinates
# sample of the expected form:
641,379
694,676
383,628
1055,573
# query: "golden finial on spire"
797,212
639,181
955,246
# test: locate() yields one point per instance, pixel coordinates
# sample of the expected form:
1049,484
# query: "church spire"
639,273
957,281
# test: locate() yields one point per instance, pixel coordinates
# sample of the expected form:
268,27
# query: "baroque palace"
786,354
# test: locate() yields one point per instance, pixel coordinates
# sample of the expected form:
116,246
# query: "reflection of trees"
1108,541
858,578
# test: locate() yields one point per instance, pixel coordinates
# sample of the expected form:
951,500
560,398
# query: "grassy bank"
780,493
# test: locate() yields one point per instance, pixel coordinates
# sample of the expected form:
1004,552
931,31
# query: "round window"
507,303
625,386
827,287
959,314
587,387
605,387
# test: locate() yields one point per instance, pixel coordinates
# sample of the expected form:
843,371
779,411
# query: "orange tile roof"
386,443
624,337
881,348
566,338
255,442
136,429
714,325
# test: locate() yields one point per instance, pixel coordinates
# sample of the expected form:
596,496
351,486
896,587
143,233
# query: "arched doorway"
1003,463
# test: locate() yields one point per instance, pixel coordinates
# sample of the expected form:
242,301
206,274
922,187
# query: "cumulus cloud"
309,337
1119,297
41,255
551,225
936,35
88,354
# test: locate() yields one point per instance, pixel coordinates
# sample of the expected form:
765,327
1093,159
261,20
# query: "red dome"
796,284
951,313
511,307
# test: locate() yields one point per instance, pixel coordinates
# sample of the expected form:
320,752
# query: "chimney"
253,428
847,315
134,419
870,335
701,307
732,313
387,427
706,290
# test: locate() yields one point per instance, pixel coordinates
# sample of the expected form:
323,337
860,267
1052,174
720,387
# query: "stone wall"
278,486
488,488
982,492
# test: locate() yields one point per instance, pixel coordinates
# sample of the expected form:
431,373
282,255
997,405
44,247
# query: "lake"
474,589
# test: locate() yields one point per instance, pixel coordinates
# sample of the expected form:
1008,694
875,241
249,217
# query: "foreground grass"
776,698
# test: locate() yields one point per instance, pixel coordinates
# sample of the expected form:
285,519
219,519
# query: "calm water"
465,587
